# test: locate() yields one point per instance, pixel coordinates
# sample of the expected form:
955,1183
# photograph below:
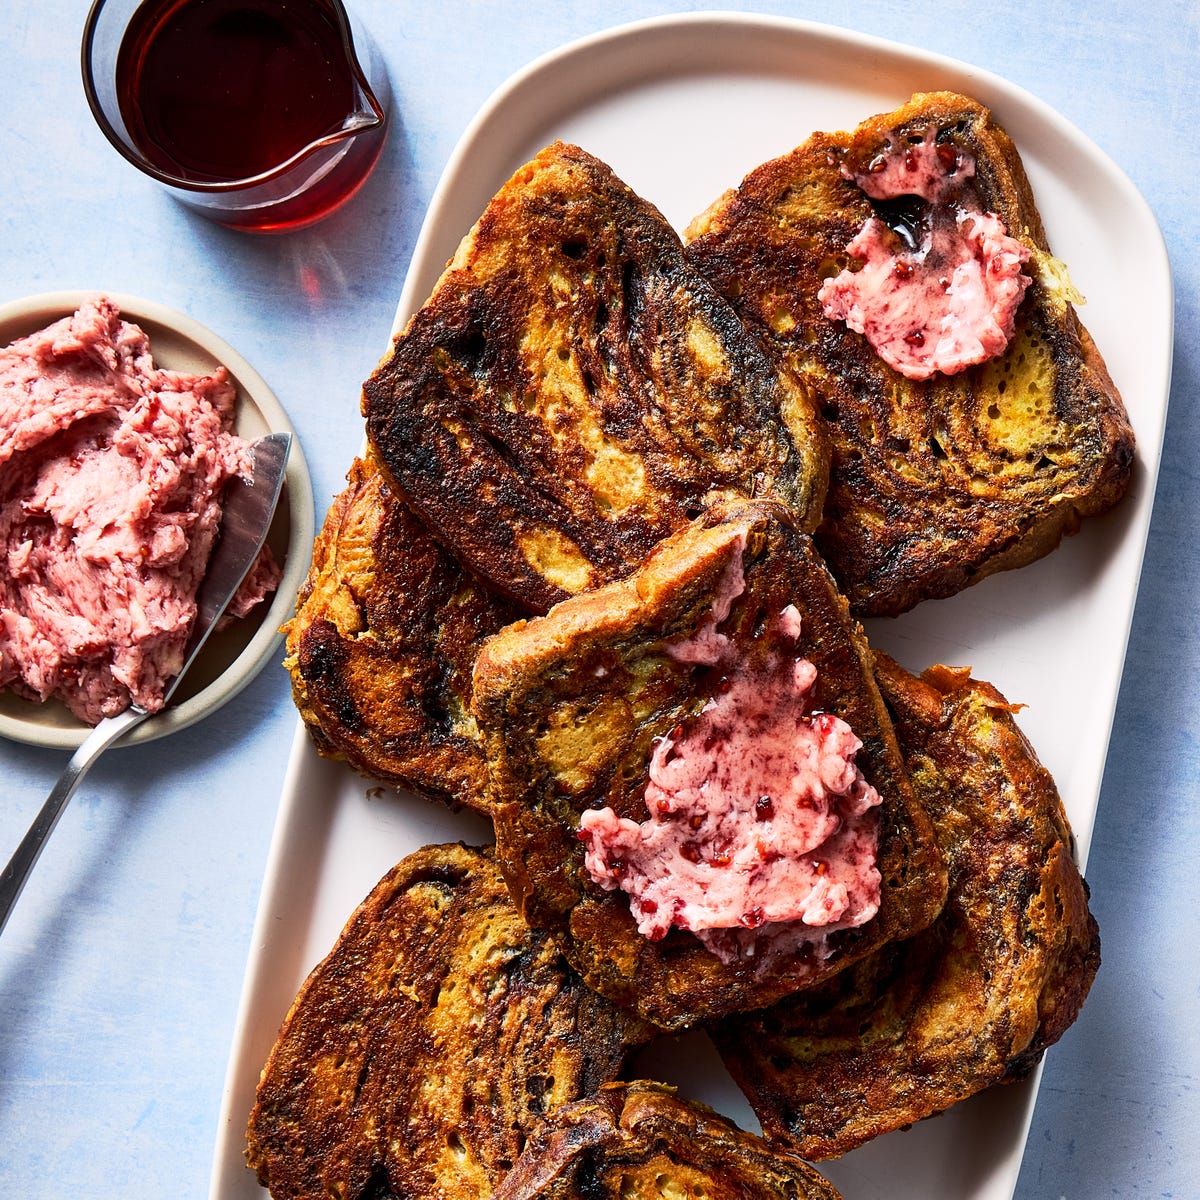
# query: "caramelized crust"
383,642
574,391
934,484
639,1141
425,1048
977,997
570,704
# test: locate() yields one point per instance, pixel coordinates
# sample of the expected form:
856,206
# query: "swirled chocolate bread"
422,1051
696,786
640,1141
573,391
975,999
382,646
902,271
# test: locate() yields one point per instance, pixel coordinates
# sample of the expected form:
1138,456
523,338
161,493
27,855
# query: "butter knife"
249,505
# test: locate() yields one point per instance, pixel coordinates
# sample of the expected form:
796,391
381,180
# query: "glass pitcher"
263,115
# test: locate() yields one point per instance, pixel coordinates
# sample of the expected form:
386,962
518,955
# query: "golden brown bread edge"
569,706
933,484
382,645
976,998
640,1141
428,1044
573,391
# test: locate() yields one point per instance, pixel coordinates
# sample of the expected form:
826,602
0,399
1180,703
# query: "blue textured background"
121,970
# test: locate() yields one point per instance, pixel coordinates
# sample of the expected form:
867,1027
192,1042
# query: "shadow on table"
358,252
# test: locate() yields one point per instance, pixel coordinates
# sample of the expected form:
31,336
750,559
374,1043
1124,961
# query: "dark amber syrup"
215,91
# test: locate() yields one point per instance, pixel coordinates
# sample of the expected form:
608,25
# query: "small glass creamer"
264,115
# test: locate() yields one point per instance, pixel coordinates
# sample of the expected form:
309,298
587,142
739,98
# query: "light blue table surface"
121,970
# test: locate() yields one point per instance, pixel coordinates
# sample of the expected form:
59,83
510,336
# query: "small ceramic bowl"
232,657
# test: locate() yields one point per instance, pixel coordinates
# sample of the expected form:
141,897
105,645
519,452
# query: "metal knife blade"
249,505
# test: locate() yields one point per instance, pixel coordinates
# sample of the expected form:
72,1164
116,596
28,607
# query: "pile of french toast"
598,575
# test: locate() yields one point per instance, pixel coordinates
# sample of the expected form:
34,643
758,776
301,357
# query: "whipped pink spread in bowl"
761,832
120,423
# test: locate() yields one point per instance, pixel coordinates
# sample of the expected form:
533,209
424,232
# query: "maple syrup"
213,92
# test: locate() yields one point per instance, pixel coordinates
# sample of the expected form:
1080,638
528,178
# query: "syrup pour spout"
369,111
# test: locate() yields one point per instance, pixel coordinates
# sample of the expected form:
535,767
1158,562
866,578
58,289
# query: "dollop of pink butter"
945,296
111,474
761,835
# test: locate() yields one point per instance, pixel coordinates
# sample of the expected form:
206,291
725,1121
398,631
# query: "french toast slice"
640,1141
428,1044
382,645
936,482
976,998
572,707
573,391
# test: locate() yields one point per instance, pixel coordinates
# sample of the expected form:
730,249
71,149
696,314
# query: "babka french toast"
573,391
976,998
728,659
902,270
383,642
428,1044
640,1141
